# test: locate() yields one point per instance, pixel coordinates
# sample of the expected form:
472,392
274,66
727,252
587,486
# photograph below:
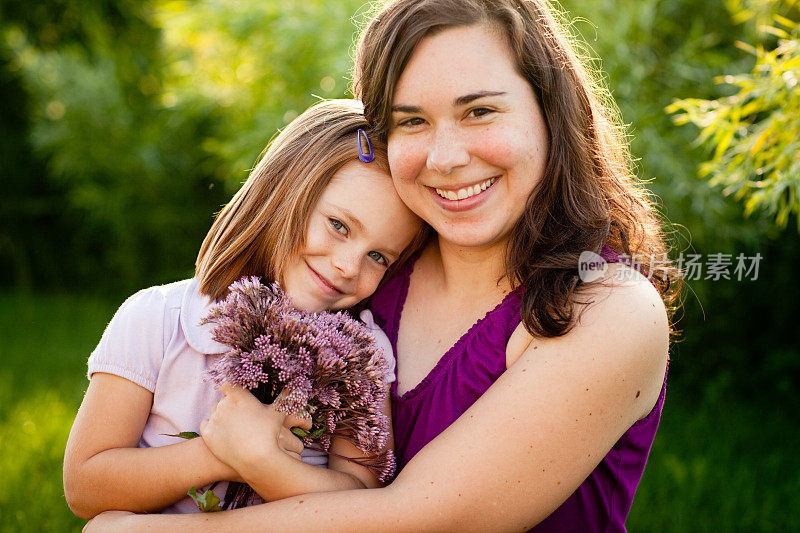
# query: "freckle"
587,389
524,369
301,501
513,418
590,414
542,469
535,347
531,446
638,392
426,497
431,482
559,483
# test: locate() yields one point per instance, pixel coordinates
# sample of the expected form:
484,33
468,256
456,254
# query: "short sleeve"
133,343
383,343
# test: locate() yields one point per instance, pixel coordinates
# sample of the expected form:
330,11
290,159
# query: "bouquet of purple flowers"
328,364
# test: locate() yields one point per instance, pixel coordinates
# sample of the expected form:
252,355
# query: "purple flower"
328,364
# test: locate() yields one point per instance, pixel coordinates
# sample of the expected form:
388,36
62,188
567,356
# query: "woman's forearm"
360,510
139,479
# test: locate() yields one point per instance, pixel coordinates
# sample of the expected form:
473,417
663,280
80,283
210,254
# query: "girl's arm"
103,468
517,453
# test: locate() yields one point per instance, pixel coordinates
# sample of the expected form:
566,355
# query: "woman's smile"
464,198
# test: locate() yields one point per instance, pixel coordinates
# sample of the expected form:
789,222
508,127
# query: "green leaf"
183,435
208,502
300,432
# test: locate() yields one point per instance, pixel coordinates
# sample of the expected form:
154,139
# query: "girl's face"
357,229
468,141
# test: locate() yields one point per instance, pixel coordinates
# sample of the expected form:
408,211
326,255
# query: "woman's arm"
103,468
519,451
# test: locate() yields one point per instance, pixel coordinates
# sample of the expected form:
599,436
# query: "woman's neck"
479,269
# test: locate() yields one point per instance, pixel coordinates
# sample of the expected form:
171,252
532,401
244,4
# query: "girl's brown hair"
587,197
266,221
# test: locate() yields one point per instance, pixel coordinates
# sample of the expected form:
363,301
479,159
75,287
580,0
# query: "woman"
524,396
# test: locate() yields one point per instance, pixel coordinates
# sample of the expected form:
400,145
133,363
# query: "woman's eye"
480,112
377,257
338,226
411,122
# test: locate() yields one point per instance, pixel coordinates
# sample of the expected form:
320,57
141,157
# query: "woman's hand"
243,433
109,521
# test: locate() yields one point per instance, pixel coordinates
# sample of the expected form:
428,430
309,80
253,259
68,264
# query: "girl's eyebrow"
349,217
458,102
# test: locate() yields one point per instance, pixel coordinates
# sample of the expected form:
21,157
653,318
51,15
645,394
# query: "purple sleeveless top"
601,503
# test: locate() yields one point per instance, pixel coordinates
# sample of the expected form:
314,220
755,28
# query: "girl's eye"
480,112
338,226
378,258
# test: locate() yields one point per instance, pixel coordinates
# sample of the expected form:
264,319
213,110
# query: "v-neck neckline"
446,357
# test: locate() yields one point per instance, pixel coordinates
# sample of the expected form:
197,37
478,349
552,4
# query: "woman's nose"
446,151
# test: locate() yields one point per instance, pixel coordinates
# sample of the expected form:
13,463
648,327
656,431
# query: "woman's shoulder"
621,328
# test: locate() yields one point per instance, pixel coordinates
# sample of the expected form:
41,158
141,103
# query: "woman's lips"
468,203
326,286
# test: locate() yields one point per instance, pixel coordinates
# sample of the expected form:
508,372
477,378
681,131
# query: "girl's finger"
296,421
289,442
227,388
294,455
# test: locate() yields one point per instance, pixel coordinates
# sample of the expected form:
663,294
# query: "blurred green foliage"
754,132
131,123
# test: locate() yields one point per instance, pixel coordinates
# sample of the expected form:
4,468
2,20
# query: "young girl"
320,215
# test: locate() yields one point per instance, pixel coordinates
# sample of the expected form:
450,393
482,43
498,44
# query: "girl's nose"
347,263
446,151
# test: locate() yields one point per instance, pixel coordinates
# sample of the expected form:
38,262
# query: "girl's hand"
243,433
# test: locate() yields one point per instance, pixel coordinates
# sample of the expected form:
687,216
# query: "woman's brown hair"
588,196
266,221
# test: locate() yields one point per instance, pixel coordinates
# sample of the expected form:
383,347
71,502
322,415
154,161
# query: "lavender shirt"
601,503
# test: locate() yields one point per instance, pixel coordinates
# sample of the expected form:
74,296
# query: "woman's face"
357,229
467,141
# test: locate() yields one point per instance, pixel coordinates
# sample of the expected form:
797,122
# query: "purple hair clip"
369,155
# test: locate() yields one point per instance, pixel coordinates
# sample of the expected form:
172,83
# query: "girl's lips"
326,286
467,203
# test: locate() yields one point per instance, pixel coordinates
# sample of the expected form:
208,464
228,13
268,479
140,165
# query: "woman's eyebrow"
406,109
460,101
467,98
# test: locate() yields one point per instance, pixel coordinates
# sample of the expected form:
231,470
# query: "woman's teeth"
462,194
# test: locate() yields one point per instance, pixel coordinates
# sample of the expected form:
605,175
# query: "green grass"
721,463
717,464
46,342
